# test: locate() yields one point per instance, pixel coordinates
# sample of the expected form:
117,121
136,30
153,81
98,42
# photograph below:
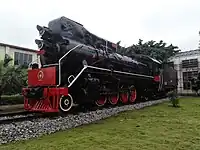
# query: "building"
20,55
187,66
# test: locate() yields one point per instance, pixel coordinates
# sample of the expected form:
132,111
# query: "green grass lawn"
154,128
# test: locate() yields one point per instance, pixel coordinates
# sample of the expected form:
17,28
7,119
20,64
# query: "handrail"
59,62
107,70
84,68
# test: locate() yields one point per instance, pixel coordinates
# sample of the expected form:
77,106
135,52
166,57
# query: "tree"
156,50
12,78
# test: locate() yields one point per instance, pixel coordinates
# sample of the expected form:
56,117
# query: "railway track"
17,118
14,113
9,110
13,116
22,115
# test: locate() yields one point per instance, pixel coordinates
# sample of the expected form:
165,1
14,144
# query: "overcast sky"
173,21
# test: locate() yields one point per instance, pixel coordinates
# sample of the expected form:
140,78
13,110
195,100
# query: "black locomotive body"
90,69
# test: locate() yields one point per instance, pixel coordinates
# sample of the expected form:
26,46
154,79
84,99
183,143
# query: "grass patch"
11,99
158,127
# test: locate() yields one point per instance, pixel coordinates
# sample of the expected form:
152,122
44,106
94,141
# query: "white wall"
10,51
177,63
2,52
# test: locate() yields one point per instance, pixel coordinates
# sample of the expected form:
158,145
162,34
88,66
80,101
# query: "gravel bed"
35,128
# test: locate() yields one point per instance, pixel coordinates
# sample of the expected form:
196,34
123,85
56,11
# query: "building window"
190,63
187,76
22,58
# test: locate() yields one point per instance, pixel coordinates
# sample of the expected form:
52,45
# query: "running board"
107,70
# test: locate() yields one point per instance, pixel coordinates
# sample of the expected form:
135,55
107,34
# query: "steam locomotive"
78,67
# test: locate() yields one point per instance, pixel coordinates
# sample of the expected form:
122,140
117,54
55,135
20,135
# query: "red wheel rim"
124,97
133,95
113,100
101,101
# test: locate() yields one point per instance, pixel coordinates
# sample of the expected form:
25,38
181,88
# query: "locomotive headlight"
40,44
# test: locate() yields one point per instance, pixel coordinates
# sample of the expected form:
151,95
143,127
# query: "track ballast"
26,129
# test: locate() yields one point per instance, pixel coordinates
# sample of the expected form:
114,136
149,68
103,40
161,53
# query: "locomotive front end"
42,93
46,92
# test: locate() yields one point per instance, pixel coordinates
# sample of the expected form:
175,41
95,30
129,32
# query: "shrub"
173,97
12,78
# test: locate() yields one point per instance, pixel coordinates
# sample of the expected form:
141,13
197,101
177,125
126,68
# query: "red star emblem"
40,75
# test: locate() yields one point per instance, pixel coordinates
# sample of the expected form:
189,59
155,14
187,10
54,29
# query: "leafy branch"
157,50
12,78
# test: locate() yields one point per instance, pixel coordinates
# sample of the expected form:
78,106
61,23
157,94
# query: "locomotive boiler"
78,67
